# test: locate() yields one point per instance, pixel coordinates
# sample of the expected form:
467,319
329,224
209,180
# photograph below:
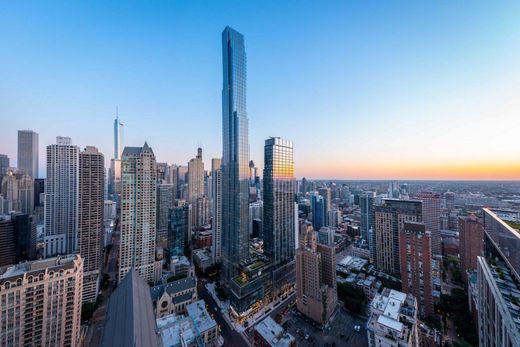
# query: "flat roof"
200,316
390,323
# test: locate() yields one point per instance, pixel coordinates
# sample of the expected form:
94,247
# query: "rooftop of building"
390,306
130,320
273,333
353,262
179,260
173,287
36,266
179,330
509,289
200,316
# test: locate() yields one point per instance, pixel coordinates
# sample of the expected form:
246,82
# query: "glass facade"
235,155
279,197
178,229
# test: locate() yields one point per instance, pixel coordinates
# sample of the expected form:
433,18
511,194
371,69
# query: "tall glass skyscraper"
235,155
279,197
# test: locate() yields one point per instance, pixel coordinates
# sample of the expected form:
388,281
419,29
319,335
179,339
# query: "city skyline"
404,92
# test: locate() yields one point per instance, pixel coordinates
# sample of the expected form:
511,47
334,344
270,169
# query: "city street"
95,330
231,337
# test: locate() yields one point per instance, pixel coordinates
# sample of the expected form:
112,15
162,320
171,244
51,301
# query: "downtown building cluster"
268,240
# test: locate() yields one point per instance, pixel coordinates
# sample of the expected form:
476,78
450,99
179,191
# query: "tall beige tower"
196,195
316,295
90,218
138,212
196,177
40,302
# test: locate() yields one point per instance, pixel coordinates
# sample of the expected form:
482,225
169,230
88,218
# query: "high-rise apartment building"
367,205
235,155
90,219
4,163
471,243
61,198
416,265
165,200
28,153
431,217
316,295
279,196
216,209
278,211
138,212
178,229
40,302
393,320
498,283
389,222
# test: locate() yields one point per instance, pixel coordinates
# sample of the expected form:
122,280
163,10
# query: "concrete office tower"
235,155
28,153
216,209
471,243
165,201
278,210
61,198
40,302
389,222
138,212
314,298
498,283
90,219
393,320
431,210
416,265
9,190
26,194
4,163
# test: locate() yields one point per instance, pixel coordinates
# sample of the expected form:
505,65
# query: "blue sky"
364,89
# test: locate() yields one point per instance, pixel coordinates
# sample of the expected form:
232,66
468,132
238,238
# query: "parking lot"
340,332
